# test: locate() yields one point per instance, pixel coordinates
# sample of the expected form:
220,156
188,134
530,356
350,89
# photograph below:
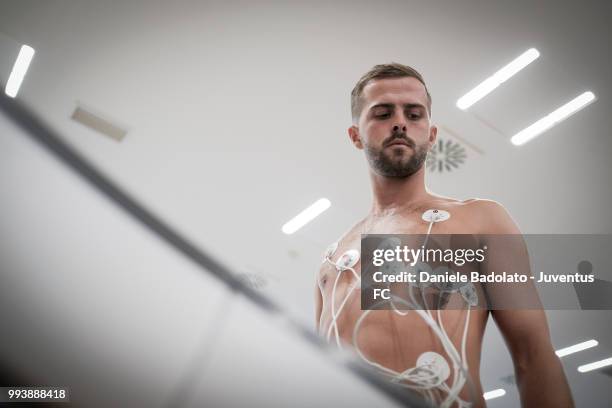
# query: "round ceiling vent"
446,155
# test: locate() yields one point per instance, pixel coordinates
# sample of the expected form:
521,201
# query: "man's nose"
399,126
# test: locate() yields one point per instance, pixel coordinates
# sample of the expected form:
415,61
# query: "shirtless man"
391,110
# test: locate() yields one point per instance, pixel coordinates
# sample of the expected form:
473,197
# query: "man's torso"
386,337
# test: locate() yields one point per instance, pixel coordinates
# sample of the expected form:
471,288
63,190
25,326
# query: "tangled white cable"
432,370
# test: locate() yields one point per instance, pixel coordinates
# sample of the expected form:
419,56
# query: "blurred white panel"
258,362
89,298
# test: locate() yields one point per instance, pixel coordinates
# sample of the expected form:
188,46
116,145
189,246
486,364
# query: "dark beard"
384,165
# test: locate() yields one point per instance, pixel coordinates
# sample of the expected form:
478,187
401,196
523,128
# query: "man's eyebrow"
406,106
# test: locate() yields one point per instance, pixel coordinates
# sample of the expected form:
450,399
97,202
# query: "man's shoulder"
477,206
484,216
353,231
490,215
483,205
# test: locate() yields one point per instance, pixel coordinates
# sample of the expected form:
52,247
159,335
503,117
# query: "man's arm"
539,373
318,301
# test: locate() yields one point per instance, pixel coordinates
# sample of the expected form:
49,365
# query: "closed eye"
411,116
414,114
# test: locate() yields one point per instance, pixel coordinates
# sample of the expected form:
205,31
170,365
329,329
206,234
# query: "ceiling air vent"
97,123
446,155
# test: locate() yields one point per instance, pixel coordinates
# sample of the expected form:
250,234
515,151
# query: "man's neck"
393,194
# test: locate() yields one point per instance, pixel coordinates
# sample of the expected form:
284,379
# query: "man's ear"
433,135
353,132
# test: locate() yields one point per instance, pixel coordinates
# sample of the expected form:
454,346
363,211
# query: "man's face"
394,127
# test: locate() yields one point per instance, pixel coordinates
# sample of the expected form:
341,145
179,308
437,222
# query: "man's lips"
399,143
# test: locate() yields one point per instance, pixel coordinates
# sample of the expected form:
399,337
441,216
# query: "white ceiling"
237,115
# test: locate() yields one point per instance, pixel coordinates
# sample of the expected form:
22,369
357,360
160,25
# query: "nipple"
348,259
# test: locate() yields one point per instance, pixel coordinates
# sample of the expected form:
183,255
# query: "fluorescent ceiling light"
498,78
553,118
26,53
576,348
594,366
306,216
500,392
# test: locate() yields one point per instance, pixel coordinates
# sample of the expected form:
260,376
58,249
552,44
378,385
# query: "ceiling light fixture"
499,392
26,53
576,348
595,365
498,78
553,118
306,216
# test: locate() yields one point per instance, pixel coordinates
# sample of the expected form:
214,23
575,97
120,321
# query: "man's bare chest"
347,251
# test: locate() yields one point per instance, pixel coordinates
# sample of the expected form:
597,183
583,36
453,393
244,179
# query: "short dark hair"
392,70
